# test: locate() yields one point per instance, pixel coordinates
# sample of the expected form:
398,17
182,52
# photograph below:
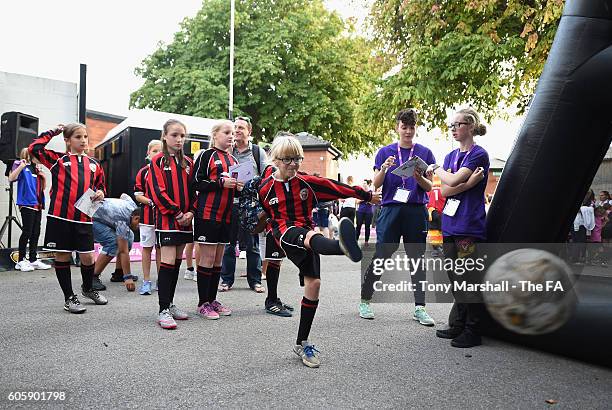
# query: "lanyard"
455,167
401,160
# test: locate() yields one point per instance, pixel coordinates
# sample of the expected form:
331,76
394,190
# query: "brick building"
98,125
319,156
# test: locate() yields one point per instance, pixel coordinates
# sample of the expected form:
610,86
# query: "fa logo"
273,201
218,162
93,167
304,194
167,169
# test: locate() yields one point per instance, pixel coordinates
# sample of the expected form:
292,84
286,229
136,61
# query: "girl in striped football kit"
168,183
68,229
288,198
147,223
216,187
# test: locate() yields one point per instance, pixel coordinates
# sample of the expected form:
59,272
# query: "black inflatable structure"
557,153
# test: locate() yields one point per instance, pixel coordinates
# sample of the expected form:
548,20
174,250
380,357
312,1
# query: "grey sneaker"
348,241
165,320
421,316
308,354
73,305
95,296
177,313
97,284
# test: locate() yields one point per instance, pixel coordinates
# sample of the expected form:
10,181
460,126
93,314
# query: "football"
538,295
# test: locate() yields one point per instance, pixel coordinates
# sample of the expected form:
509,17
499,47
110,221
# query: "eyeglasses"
454,125
296,160
247,119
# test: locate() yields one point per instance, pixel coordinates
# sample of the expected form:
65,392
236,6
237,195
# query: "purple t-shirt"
365,207
469,220
392,181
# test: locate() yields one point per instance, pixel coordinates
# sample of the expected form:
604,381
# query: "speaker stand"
9,220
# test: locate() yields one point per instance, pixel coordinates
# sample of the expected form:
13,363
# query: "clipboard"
406,170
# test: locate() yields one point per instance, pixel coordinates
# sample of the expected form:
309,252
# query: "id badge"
451,207
401,195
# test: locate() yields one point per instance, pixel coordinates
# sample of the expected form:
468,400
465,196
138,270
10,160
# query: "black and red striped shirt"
290,203
214,202
140,188
71,176
168,184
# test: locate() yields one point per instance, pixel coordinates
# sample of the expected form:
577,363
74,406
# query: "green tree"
298,67
486,53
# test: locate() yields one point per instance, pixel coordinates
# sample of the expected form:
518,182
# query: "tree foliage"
298,67
486,53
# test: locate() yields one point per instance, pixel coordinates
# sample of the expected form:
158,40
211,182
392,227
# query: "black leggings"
30,232
363,217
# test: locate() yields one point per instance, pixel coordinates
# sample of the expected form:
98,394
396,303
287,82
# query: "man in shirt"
244,151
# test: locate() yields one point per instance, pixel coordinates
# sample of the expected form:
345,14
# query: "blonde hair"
153,143
285,145
180,155
472,117
25,154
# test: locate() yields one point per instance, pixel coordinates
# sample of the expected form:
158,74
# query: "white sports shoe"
38,264
189,274
24,266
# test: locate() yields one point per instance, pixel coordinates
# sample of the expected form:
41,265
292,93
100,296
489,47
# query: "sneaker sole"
366,317
144,293
224,314
167,327
279,314
209,318
346,229
76,313
424,324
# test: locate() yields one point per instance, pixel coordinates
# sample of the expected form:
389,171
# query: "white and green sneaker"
365,310
308,354
421,316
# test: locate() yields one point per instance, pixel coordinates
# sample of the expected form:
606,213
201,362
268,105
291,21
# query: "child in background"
31,202
147,225
601,219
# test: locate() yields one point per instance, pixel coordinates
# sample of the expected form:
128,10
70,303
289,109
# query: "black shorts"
273,251
66,236
172,238
308,262
211,232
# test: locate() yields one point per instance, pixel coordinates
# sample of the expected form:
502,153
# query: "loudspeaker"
17,131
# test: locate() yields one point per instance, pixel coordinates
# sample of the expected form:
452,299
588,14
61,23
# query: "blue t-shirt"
469,220
392,182
29,193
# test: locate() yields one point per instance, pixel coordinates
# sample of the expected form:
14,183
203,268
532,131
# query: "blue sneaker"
308,354
145,289
421,316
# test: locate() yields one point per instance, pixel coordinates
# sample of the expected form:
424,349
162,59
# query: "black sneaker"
286,306
116,278
348,241
467,339
276,308
450,333
97,284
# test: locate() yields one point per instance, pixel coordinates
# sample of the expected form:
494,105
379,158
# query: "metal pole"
83,93
231,69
